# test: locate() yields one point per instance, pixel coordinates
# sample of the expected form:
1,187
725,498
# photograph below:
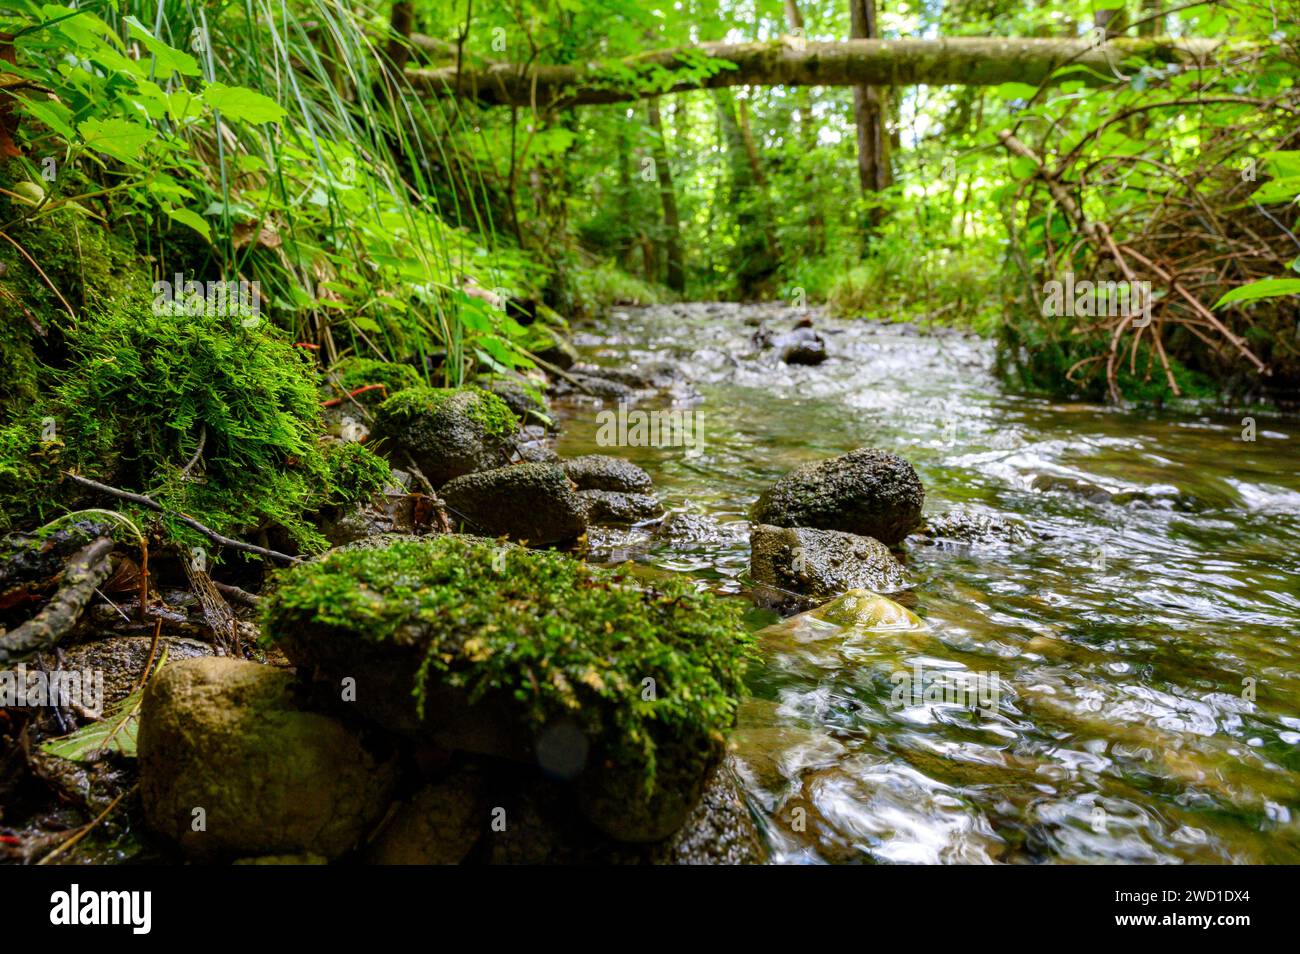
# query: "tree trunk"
676,277
869,110
807,136
951,61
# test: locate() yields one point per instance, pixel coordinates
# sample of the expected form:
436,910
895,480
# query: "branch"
152,504
88,568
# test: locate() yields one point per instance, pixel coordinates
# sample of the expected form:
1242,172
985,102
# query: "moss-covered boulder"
794,568
870,492
447,432
231,766
476,647
524,397
534,503
603,472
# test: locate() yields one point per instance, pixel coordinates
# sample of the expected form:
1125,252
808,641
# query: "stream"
1144,639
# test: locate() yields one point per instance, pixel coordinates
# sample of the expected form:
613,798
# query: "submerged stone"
614,507
603,472
797,568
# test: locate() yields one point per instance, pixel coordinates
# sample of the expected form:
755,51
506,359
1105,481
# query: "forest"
588,432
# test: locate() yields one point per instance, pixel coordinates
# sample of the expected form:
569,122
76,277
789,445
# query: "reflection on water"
1145,639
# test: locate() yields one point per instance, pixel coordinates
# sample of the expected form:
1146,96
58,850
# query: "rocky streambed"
733,584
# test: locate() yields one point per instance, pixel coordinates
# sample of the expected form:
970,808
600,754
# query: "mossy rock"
870,492
210,418
523,397
533,503
471,645
447,432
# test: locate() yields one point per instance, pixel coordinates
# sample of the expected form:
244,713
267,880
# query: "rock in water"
585,673
718,831
447,432
870,492
532,502
611,506
602,472
819,564
801,346
226,737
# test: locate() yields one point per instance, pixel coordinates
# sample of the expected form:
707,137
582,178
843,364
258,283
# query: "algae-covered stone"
603,472
863,610
530,502
869,492
459,633
615,507
447,432
817,565
227,737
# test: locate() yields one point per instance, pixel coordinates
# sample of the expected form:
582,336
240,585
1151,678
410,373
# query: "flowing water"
1143,642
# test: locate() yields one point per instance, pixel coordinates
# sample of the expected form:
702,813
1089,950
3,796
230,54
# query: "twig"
46,278
211,534
90,826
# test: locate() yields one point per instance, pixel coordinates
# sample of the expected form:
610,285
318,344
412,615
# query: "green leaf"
236,102
193,220
1265,288
118,138
52,113
166,60
116,733
1015,91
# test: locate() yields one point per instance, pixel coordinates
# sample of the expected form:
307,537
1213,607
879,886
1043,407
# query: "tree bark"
952,61
869,108
676,275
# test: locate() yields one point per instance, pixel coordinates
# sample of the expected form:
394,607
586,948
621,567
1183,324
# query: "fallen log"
969,61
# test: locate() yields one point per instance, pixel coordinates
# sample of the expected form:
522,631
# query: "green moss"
88,265
355,472
487,409
353,373
143,394
559,638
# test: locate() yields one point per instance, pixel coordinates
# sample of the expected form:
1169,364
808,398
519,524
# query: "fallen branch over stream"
971,61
